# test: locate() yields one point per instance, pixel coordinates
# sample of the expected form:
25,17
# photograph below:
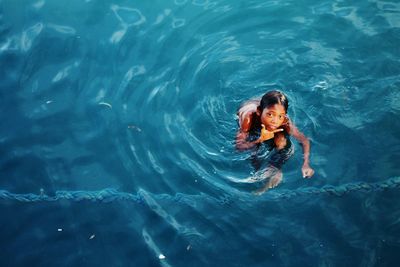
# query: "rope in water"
111,195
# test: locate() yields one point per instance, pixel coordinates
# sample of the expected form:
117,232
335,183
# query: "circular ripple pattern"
153,92
134,101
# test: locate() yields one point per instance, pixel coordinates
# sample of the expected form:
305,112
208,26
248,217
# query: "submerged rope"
112,195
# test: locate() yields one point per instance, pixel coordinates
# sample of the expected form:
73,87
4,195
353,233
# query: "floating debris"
105,104
49,102
92,236
59,229
188,247
161,257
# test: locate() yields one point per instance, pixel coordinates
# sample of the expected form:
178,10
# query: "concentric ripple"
160,87
137,100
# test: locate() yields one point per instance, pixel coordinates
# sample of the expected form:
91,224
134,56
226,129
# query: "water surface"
118,124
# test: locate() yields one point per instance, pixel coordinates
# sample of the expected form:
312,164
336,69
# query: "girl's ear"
258,111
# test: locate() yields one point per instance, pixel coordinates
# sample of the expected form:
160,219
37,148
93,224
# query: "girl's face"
273,116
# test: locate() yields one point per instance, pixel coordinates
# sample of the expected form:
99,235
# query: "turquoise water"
117,129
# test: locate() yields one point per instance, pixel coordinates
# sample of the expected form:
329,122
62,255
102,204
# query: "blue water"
117,127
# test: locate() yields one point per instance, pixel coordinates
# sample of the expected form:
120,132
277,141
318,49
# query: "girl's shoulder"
247,114
248,107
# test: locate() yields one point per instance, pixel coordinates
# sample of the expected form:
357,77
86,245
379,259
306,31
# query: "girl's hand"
266,135
307,171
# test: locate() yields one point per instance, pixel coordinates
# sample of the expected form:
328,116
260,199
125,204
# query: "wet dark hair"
272,98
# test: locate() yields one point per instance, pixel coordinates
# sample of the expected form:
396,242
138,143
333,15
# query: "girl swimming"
265,121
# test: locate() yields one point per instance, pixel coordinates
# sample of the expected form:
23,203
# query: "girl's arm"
242,143
306,170
243,134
